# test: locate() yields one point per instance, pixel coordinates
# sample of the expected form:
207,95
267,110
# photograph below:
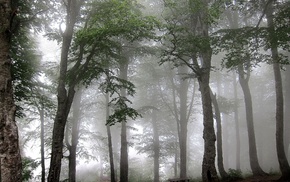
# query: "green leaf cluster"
121,111
28,165
114,20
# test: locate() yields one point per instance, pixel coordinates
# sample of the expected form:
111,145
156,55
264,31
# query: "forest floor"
260,178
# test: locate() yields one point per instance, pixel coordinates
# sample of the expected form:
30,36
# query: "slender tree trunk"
176,159
254,163
156,146
110,145
283,163
41,112
220,161
237,127
286,110
124,144
183,120
64,97
10,159
74,135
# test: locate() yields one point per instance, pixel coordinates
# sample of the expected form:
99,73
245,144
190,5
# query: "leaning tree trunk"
10,158
254,163
124,143
220,161
64,97
283,163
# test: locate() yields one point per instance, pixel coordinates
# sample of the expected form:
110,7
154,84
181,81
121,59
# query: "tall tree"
243,61
189,42
124,165
244,82
283,163
65,97
9,147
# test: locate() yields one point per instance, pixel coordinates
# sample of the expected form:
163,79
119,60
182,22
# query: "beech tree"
10,160
283,162
188,41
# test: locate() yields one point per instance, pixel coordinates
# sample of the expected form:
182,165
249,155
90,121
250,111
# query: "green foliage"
226,105
28,165
183,39
121,111
234,174
251,43
116,20
26,59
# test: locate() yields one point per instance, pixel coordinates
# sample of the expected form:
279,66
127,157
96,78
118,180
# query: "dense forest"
144,90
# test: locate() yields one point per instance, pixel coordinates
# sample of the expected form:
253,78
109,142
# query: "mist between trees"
153,90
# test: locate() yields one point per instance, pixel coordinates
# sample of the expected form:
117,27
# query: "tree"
65,97
110,145
284,165
9,147
189,42
221,168
75,130
243,56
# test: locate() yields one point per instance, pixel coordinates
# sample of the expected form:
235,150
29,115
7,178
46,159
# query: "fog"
156,98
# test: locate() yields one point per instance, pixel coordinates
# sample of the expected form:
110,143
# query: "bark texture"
209,172
11,165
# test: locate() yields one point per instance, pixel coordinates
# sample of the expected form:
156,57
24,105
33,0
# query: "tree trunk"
64,97
183,120
237,127
209,172
208,165
10,159
74,136
286,110
283,163
110,146
41,112
254,163
156,146
220,161
175,165
124,144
